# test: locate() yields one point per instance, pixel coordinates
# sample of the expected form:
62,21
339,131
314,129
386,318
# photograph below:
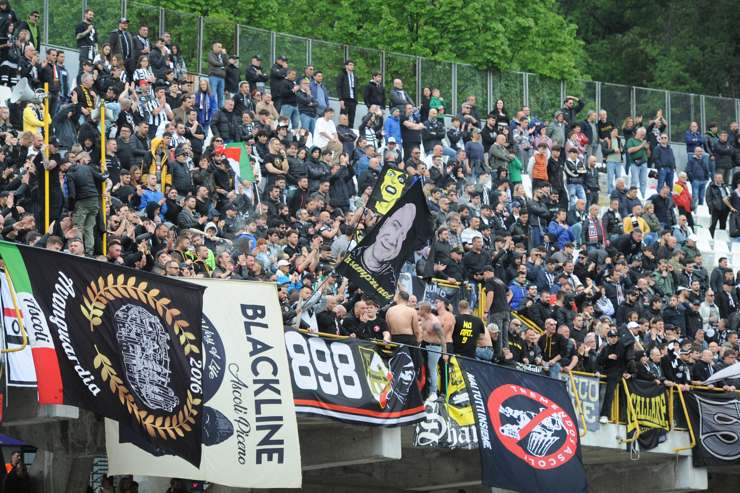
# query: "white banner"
21,371
250,435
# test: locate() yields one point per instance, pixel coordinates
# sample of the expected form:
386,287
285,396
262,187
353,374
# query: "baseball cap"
457,249
391,140
283,263
633,325
612,333
123,20
283,58
257,57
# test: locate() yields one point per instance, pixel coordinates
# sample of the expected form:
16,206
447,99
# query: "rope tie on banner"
18,316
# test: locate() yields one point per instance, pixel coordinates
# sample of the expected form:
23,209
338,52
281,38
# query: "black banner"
715,419
374,265
650,405
123,343
390,187
587,389
527,433
353,380
449,422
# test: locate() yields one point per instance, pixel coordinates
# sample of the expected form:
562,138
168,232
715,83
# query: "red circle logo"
545,439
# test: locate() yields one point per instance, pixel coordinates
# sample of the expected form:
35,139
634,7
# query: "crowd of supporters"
554,216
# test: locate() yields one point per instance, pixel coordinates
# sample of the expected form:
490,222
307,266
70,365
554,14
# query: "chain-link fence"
455,82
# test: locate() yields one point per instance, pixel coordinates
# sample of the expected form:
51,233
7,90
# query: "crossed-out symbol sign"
568,444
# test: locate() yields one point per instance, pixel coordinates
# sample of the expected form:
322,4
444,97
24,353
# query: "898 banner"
353,380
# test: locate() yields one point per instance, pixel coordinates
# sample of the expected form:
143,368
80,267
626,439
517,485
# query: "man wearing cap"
617,361
180,171
231,83
347,91
278,72
122,43
254,74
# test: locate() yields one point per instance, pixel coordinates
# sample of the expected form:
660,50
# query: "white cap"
633,325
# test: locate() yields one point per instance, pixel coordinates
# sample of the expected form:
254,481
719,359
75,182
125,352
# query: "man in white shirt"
325,134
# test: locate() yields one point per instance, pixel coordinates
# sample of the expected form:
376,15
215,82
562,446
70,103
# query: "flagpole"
46,155
103,169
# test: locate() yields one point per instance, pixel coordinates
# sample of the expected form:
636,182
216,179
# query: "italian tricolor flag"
236,153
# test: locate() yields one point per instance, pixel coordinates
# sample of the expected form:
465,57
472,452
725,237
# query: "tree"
501,35
691,46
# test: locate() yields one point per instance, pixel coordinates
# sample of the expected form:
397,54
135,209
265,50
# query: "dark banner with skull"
354,381
715,419
527,433
374,265
122,343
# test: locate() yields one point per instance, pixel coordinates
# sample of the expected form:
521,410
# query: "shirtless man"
447,319
433,340
403,325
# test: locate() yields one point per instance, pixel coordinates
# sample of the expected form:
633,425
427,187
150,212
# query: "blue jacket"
698,169
560,234
693,140
392,128
205,117
150,196
319,92
663,157
518,295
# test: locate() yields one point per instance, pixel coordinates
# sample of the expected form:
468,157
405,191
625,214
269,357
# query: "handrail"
579,405
692,437
18,316
529,323
630,411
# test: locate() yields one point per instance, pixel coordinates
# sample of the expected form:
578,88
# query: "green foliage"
691,46
502,35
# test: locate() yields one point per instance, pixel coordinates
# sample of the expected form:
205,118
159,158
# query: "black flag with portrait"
374,265
122,343
527,433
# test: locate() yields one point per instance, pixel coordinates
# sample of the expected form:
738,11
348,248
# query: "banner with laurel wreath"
122,343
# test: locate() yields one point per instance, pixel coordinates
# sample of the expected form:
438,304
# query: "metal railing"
456,81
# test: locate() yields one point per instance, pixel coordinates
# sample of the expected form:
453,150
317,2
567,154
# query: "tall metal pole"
103,169
47,120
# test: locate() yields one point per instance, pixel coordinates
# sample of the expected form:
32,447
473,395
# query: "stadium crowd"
551,214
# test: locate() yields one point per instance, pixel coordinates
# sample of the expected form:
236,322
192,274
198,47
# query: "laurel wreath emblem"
106,289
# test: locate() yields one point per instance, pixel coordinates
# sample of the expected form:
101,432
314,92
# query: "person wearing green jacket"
663,278
515,171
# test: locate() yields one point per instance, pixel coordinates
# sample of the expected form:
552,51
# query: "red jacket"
682,196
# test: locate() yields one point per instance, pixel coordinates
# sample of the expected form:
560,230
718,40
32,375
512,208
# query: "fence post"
201,23
702,114
489,89
667,113
525,89
46,21
309,50
238,41
273,48
598,96
633,101
382,66
161,22
453,96
563,91
124,8
418,81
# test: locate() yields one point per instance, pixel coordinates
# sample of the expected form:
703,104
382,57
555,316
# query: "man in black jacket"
278,72
121,43
617,361
84,189
375,92
231,84
226,122
347,91
718,202
254,74
553,347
